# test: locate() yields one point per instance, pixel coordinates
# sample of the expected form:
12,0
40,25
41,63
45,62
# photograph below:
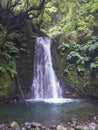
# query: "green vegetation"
6,84
16,26
75,24
8,52
72,23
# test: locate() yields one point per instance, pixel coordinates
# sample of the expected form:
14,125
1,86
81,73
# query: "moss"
5,85
86,85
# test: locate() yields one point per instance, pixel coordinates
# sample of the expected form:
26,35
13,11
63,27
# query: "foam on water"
52,100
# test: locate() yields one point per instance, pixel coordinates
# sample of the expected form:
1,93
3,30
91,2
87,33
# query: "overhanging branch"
39,8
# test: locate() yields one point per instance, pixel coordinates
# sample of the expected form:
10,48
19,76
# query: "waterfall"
45,83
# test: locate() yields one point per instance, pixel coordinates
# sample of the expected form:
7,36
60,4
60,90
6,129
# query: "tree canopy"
75,23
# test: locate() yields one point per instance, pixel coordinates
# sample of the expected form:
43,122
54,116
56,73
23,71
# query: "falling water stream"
45,84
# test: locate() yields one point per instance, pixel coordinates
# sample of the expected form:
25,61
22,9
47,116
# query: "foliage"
15,14
16,20
74,22
8,51
6,88
84,55
94,65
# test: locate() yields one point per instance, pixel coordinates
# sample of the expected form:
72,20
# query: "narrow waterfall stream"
45,83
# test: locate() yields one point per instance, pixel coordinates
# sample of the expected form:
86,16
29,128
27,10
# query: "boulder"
60,127
27,125
2,126
71,128
35,124
14,125
23,128
92,126
53,127
82,127
73,122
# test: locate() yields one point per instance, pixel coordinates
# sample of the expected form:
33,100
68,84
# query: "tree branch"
21,91
14,5
39,8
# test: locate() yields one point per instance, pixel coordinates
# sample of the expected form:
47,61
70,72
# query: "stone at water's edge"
93,126
2,126
14,125
38,126
35,124
60,127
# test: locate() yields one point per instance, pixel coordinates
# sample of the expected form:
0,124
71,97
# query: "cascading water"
45,83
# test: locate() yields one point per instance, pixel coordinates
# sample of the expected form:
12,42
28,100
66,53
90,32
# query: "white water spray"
45,84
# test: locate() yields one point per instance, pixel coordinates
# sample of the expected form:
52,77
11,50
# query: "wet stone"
35,124
71,128
53,127
2,126
82,127
27,125
73,122
43,128
60,127
23,128
14,125
94,118
37,128
93,126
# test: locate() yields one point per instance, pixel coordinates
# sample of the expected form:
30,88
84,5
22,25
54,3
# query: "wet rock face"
25,66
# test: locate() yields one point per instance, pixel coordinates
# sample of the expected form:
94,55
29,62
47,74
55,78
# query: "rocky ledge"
73,124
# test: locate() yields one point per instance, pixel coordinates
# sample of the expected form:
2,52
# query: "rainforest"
72,26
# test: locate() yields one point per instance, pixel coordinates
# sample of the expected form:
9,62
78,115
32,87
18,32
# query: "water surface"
48,113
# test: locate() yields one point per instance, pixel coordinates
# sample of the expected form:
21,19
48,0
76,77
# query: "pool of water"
47,112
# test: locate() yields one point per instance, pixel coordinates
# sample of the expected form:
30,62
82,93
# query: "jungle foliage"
14,27
74,23
14,15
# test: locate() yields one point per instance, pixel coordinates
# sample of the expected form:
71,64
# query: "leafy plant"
94,65
8,51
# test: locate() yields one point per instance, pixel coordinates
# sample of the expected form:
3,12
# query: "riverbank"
72,124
